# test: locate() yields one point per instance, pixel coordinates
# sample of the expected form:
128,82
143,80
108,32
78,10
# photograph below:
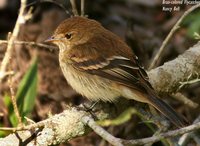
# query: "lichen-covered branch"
56,129
167,78
68,125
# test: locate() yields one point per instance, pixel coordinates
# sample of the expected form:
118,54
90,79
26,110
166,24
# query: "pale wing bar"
116,68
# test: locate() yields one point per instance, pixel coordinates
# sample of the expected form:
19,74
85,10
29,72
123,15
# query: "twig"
101,132
28,127
20,20
185,138
82,8
176,26
168,134
7,58
14,102
30,44
182,84
74,8
179,96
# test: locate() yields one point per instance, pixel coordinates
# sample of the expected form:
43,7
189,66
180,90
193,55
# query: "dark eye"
68,36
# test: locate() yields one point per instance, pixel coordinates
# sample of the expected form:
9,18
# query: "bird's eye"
68,36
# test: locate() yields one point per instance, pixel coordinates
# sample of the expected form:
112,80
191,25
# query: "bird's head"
74,31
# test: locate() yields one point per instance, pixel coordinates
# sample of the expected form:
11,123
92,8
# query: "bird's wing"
129,73
116,68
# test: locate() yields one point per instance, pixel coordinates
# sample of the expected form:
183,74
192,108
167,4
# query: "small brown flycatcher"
101,66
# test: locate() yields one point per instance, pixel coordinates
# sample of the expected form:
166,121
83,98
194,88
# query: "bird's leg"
90,107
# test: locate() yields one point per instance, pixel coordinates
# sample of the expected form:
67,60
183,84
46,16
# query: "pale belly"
91,86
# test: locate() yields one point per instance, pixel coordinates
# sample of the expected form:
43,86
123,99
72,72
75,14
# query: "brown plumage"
100,66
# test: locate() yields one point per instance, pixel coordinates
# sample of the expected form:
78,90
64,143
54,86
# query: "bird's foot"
89,108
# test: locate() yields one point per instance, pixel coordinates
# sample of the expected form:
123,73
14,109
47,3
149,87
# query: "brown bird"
101,66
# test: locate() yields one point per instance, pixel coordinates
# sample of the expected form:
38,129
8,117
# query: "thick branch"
57,129
67,125
167,77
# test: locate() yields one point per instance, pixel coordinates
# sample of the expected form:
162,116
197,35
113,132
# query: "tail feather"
165,109
168,111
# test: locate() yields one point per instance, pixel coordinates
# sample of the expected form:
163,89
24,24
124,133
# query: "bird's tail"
168,111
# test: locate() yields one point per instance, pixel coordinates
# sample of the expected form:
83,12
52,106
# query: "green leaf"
30,96
8,103
192,22
26,93
122,118
3,133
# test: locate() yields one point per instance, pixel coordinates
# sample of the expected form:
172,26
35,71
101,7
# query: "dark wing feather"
116,68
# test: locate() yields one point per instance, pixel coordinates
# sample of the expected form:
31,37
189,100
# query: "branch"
168,77
83,8
53,131
185,138
20,20
74,8
30,44
101,132
185,100
74,122
156,138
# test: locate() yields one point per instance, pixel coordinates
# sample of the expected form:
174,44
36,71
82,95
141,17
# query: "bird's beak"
51,39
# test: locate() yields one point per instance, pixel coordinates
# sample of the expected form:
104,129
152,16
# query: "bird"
99,65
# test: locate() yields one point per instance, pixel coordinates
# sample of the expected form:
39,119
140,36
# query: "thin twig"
185,138
20,20
30,44
82,8
74,8
168,134
176,26
182,84
7,58
101,132
179,96
14,102
28,127
116,141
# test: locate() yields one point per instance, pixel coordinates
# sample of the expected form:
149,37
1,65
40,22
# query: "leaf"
26,93
122,118
192,22
30,96
8,103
